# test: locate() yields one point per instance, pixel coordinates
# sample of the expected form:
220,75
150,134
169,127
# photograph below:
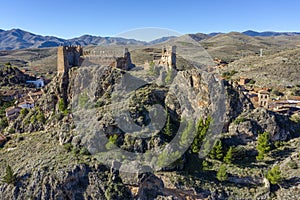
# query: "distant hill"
278,69
235,45
161,40
269,33
19,39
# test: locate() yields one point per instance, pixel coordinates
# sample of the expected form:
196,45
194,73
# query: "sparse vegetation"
112,141
239,120
10,176
3,123
277,92
61,105
168,126
227,75
292,164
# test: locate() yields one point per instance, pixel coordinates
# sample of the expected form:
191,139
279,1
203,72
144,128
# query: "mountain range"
19,39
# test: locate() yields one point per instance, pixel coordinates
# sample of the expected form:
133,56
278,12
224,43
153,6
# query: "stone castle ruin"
168,57
67,57
72,56
109,58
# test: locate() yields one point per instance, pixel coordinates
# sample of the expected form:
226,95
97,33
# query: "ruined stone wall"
108,58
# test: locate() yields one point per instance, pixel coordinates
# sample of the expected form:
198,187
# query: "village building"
263,98
34,96
10,95
39,83
26,104
12,112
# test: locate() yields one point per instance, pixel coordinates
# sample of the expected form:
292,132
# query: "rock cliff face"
80,119
11,75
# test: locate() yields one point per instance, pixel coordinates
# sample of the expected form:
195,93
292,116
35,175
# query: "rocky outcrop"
249,124
12,75
77,182
150,187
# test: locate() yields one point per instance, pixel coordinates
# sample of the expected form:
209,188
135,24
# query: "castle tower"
68,57
61,60
168,57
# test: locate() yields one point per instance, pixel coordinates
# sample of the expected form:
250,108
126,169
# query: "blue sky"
71,18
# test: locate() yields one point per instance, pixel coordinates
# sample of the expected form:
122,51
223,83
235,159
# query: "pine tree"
205,165
168,128
263,145
222,174
217,151
274,175
10,177
229,156
201,132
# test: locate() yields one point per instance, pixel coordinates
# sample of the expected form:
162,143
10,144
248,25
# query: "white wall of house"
26,105
38,83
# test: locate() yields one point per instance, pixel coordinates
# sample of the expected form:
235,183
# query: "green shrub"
252,82
292,164
274,175
169,76
24,112
75,150
33,119
277,93
229,156
9,177
40,117
152,70
205,165
116,191
68,147
112,141
61,105
84,151
228,75
11,131
168,127
3,123
239,120
222,174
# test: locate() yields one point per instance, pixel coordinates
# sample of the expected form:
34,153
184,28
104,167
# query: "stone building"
68,56
168,57
263,98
